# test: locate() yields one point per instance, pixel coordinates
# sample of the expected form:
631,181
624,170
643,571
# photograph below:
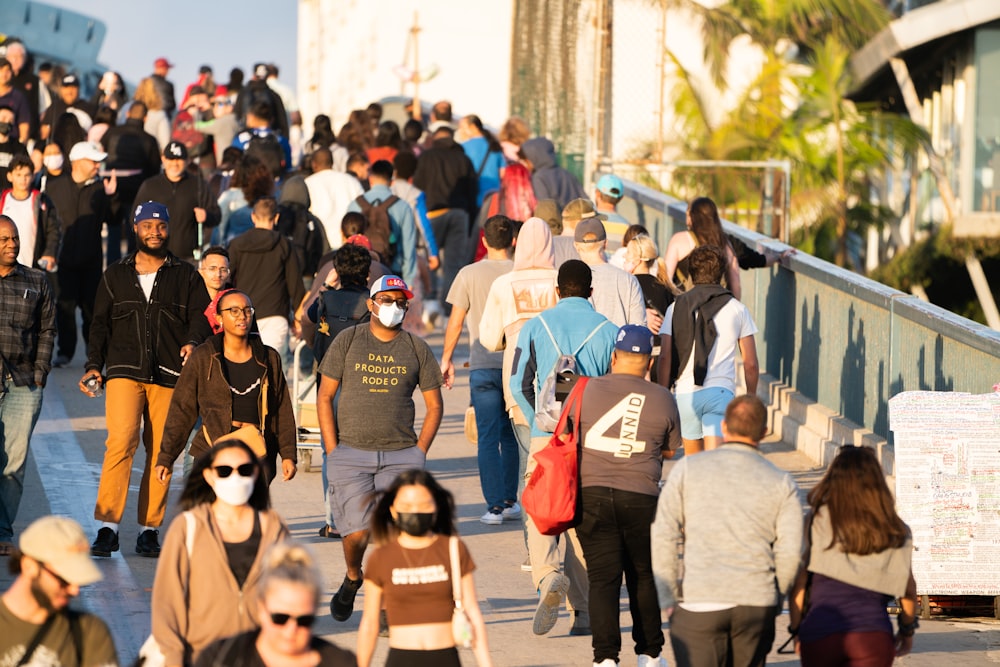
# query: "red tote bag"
550,498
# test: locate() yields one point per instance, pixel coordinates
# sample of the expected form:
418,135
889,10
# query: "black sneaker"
148,544
106,542
342,602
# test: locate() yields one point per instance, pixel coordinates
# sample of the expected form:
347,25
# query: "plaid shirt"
27,325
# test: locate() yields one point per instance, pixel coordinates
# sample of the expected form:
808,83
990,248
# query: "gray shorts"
357,476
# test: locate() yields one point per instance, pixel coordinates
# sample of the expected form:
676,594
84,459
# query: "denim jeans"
614,534
498,452
454,241
19,409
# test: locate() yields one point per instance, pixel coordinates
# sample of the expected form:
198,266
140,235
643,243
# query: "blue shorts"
357,476
702,412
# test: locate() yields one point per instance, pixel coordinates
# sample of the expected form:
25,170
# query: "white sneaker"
492,518
512,512
607,662
526,565
649,661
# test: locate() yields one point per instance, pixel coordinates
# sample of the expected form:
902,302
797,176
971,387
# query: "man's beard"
154,252
41,598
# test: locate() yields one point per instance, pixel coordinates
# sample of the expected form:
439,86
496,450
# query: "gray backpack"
558,383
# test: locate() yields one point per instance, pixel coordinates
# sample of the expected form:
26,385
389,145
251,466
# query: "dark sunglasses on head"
244,470
302,621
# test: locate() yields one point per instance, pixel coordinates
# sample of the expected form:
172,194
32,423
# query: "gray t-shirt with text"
375,409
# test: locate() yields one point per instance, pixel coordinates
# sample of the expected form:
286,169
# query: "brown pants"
129,406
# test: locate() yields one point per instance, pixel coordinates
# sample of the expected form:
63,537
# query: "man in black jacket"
135,155
188,198
148,317
450,185
83,203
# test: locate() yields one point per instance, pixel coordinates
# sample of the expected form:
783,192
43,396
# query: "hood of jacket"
295,191
534,246
259,240
540,151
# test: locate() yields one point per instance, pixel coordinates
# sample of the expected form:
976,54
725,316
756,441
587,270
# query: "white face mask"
390,315
234,490
53,162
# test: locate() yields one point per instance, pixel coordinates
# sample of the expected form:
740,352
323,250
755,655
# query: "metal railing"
840,339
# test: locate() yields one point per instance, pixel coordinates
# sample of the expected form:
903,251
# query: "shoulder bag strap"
482,165
577,396
36,641
456,573
76,630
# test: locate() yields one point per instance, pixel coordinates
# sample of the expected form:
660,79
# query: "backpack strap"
482,164
553,338
36,640
587,339
76,630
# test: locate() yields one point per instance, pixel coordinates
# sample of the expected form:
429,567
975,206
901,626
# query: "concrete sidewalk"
68,448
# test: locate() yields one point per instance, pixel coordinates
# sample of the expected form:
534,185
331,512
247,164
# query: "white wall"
348,49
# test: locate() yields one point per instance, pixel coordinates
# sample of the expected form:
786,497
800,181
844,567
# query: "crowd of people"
203,236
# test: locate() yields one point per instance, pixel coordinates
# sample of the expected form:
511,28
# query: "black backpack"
306,234
378,226
338,310
267,149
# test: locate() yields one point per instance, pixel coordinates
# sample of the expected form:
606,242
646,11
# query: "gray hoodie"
549,180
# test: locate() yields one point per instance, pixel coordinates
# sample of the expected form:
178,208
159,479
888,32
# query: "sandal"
6,548
329,532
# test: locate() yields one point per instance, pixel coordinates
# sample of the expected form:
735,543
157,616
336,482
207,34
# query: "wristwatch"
907,629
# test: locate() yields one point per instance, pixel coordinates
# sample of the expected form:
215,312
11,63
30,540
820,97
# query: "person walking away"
549,180
264,265
701,333
148,318
485,153
497,448
27,335
704,227
617,294
741,547
36,624
369,434
571,327
608,191
628,426
330,193
858,554
412,575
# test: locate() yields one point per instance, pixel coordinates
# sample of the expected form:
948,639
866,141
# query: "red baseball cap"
162,62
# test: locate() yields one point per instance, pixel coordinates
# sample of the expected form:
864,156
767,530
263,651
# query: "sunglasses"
62,582
243,470
305,621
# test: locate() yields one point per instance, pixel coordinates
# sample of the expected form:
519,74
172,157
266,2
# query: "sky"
191,33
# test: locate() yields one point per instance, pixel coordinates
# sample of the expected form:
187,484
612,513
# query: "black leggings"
442,657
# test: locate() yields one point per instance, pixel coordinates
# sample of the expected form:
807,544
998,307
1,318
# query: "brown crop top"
416,583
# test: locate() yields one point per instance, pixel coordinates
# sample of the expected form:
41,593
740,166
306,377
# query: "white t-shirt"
732,323
23,214
330,193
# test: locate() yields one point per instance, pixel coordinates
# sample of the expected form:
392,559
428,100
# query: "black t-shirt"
242,554
241,651
654,293
244,382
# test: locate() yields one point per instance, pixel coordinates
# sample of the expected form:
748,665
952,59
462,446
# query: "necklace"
247,390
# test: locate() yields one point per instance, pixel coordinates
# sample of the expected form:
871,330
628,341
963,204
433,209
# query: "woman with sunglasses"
857,560
409,575
287,597
235,384
213,554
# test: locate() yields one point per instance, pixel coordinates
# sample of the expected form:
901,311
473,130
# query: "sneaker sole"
551,598
148,554
491,522
341,610
103,554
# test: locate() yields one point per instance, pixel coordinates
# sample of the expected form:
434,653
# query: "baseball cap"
390,283
581,209
634,338
71,80
175,150
87,150
151,210
60,544
610,185
592,228
359,239
163,62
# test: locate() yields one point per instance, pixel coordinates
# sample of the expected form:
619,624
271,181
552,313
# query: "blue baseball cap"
610,185
634,338
151,210
390,284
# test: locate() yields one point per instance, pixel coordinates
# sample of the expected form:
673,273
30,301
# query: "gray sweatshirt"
739,519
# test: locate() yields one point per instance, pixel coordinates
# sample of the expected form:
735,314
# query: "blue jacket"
571,321
404,231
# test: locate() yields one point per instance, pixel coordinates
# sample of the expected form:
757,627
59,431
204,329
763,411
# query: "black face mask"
5,128
414,523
